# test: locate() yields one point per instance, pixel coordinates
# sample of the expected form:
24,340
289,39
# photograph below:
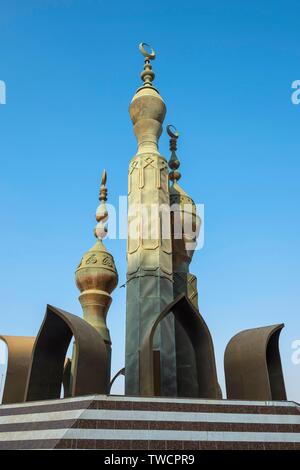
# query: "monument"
172,396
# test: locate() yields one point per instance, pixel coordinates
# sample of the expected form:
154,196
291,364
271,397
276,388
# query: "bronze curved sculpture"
252,365
199,335
118,374
90,371
19,355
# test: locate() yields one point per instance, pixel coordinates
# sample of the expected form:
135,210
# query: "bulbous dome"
147,108
96,270
187,224
147,112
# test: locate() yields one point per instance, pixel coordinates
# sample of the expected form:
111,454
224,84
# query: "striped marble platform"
118,422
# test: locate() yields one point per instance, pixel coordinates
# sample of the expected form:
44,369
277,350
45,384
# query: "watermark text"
2,92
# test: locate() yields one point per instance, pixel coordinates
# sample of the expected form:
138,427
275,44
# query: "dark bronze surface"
50,348
118,374
252,365
67,377
199,335
19,355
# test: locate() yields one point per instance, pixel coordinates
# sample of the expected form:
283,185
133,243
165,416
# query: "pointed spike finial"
174,162
101,213
104,177
147,75
103,189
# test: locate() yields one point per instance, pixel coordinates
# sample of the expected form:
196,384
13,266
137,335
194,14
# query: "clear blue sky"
225,70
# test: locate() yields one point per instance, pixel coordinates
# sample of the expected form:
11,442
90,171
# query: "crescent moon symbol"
172,133
149,55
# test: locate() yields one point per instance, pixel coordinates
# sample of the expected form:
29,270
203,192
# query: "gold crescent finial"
149,55
147,75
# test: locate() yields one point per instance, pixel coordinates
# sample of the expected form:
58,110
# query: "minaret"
149,253
185,225
96,276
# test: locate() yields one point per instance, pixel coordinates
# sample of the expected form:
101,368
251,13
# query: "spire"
147,75
96,276
174,162
190,222
101,213
147,108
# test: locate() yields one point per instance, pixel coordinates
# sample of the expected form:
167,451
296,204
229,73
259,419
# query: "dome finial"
101,213
103,190
147,75
147,108
174,162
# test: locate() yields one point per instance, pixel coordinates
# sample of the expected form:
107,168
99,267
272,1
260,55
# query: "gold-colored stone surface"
147,185
96,278
147,250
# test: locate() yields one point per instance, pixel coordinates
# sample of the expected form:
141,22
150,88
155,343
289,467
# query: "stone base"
118,422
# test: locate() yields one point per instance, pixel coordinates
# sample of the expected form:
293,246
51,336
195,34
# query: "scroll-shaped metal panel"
19,355
252,365
50,348
200,337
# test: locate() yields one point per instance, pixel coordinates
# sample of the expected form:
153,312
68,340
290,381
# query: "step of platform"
118,422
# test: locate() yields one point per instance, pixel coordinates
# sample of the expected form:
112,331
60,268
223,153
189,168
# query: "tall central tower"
149,246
